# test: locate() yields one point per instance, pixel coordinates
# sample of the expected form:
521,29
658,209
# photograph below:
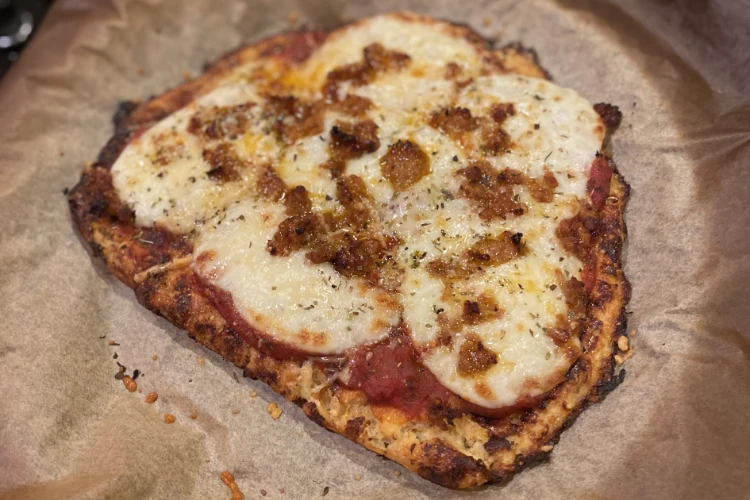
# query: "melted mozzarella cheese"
309,307
435,226
312,307
175,191
430,46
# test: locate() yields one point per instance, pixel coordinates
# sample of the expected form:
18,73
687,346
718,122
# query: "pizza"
415,236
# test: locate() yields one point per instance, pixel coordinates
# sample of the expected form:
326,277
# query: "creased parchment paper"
677,427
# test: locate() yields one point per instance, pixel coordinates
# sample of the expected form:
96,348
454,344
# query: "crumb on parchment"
130,384
228,479
169,418
151,397
622,343
274,410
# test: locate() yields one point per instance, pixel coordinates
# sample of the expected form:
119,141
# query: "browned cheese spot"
495,140
484,309
205,256
452,70
543,190
499,112
404,164
226,166
474,357
221,122
483,389
169,147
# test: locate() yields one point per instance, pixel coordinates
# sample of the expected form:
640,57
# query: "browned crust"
460,452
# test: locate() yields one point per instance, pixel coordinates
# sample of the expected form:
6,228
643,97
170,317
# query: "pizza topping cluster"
392,201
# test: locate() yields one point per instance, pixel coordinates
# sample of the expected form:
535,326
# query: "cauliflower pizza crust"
411,234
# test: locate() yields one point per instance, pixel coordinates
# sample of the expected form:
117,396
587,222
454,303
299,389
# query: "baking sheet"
677,427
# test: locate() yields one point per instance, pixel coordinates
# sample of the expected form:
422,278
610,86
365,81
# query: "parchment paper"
676,428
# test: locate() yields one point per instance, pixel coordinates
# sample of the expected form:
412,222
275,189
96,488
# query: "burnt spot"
610,114
610,384
311,410
111,151
124,109
354,428
264,374
495,444
447,467
404,164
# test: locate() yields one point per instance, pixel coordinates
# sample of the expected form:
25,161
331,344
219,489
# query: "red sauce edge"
224,303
